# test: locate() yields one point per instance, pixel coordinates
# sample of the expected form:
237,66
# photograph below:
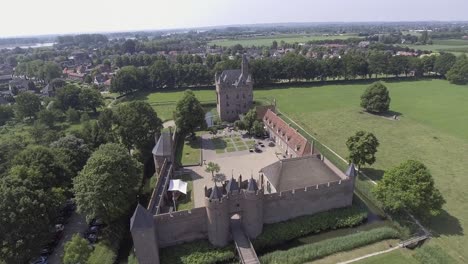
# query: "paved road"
76,224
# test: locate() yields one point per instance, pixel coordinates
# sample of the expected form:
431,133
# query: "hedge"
327,247
197,252
279,233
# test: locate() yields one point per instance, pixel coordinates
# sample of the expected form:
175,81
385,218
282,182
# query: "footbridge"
244,247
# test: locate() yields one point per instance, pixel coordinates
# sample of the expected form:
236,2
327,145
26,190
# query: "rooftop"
290,174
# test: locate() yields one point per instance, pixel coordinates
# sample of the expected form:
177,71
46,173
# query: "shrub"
197,252
279,233
327,247
102,254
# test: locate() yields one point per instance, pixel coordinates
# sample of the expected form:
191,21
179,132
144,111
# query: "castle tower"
245,66
217,210
144,236
252,216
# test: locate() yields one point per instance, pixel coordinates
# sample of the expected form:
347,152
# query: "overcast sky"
33,17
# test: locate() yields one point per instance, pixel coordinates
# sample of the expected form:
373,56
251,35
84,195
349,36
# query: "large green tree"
444,63
27,105
108,184
458,74
136,125
72,152
6,114
362,148
90,99
69,97
249,120
126,80
77,250
410,187
376,98
189,114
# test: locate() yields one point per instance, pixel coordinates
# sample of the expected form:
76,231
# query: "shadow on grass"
374,174
446,224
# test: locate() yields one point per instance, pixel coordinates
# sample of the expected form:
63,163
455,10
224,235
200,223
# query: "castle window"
237,96
227,96
245,105
243,95
227,104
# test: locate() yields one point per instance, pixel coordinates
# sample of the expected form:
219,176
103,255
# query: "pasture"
268,40
432,128
456,46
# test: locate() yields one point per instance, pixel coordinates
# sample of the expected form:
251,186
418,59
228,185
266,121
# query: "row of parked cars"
94,228
56,233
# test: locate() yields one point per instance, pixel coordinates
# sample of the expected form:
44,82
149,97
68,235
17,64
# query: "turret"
245,67
217,210
252,216
145,241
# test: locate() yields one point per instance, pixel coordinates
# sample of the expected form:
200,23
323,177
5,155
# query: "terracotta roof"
293,139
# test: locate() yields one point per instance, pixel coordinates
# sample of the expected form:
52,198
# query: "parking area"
250,155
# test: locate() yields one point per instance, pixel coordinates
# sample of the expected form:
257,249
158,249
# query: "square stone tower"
234,95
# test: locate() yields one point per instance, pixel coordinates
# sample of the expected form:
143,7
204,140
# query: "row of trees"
353,64
39,69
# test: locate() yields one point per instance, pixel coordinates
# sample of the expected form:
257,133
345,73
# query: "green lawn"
433,128
456,46
185,202
268,40
399,256
190,152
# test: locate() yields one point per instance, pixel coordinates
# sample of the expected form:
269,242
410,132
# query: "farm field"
268,40
456,46
433,128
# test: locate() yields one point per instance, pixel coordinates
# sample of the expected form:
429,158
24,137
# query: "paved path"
245,249
76,224
170,123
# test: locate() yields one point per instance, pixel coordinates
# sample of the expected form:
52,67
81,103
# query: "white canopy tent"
178,185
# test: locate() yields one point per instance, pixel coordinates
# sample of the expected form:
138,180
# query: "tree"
47,117
212,168
69,97
362,148
458,74
136,125
376,98
410,186
189,114
108,184
84,117
46,162
102,254
91,99
27,105
249,120
25,215
72,152
50,70
6,114
444,63
258,129
126,80
72,115
160,74
76,250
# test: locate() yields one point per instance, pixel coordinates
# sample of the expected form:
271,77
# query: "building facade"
234,95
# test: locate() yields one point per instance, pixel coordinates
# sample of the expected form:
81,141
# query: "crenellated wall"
180,227
282,206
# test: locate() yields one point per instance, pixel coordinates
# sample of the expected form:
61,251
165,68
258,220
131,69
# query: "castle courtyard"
235,163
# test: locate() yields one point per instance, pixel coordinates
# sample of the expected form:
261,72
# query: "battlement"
172,216
233,187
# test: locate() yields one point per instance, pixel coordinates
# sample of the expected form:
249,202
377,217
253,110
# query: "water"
34,45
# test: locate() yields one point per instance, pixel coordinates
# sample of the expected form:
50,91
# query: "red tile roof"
293,138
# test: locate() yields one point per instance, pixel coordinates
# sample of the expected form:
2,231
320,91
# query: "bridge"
244,247
414,241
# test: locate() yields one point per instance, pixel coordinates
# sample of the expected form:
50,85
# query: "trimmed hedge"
279,233
432,255
327,247
197,252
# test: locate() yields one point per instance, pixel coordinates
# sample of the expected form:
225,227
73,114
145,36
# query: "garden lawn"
433,128
190,152
399,256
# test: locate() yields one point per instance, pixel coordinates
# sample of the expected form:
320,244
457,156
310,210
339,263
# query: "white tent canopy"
178,185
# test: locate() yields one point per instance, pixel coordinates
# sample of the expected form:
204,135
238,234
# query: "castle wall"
231,101
282,206
180,227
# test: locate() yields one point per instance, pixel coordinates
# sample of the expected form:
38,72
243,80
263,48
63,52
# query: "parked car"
39,260
97,222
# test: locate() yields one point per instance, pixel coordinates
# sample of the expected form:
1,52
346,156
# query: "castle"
234,94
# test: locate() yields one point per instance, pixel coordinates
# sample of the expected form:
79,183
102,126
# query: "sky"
36,17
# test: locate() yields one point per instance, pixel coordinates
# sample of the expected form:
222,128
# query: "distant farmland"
456,46
268,40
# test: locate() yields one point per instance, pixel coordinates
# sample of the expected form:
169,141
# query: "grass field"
268,40
400,256
433,128
185,202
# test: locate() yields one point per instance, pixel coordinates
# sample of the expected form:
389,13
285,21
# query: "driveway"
76,224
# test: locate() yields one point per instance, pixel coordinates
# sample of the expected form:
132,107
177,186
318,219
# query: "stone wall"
180,227
282,206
